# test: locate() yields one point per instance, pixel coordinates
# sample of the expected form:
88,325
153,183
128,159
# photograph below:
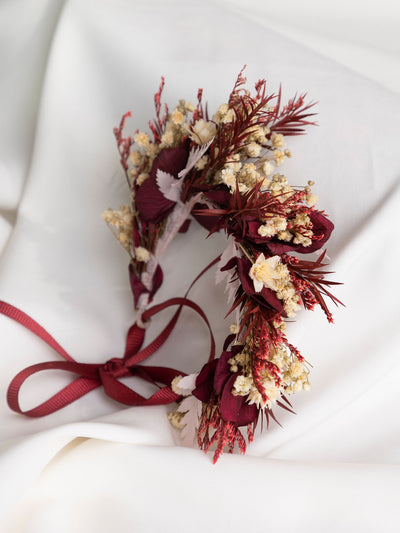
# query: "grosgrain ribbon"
93,375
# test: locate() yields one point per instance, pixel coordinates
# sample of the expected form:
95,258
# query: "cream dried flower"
228,177
136,158
242,385
268,168
177,117
296,369
142,139
142,254
268,273
278,140
202,131
311,199
253,149
279,157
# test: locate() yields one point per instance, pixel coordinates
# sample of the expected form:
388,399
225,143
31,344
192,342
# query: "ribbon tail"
87,381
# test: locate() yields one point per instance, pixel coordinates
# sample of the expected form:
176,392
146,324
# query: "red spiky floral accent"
157,125
123,143
214,430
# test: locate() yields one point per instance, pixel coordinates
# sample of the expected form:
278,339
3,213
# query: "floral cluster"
225,172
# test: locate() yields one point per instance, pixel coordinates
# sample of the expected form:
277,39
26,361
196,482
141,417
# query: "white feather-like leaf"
193,408
194,155
227,254
186,384
169,186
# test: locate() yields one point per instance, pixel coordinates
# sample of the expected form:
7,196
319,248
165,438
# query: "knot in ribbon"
93,375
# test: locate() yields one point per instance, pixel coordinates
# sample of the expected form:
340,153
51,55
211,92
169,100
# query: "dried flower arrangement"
223,172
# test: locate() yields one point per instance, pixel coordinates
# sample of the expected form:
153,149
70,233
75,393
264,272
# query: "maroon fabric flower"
322,229
150,202
216,377
247,230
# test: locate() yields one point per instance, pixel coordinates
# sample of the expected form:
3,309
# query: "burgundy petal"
230,338
266,297
138,288
151,203
219,196
235,408
272,300
222,372
207,221
244,266
205,381
136,285
171,160
185,226
157,280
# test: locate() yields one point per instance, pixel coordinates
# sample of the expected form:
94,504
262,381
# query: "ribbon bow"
93,375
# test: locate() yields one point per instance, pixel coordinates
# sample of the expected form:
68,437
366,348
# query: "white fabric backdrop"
69,71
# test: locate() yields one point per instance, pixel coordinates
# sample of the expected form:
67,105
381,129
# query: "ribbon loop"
93,375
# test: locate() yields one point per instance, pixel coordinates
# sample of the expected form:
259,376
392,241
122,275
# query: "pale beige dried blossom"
272,226
311,199
268,229
296,369
136,158
121,221
221,112
292,306
142,254
279,157
242,385
228,177
248,175
268,168
280,187
257,135
278,140
152,151
270,389
202,131
233,328
142,139
177,116
243,188
253,149
167,138
285,236
301,228
202,162
234,163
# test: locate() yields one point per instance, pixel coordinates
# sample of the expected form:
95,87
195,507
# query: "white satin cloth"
71,69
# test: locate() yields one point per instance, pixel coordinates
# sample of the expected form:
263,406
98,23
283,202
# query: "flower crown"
222,172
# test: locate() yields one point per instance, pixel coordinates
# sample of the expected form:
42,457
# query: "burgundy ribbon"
106,374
